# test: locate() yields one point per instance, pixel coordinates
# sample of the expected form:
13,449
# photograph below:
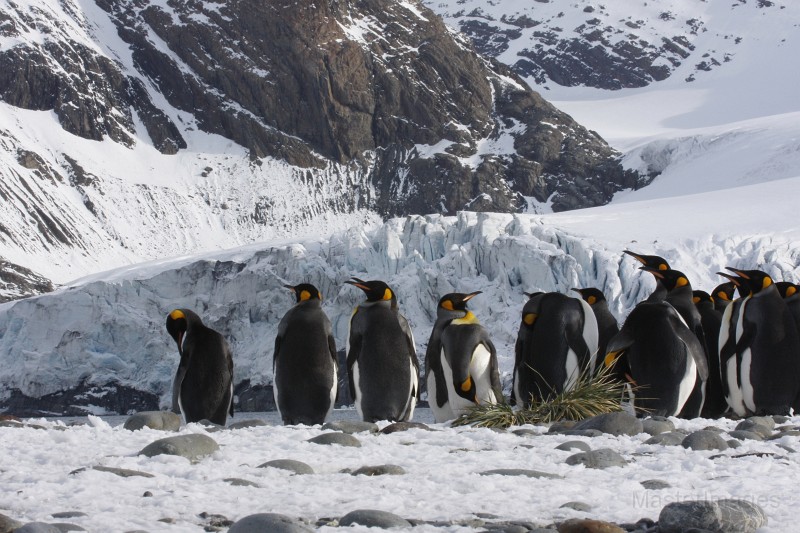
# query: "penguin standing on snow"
461,362
679,295
381,358
790,293
715,404
203,385
304,364
557,341
657,353
607,325
760,349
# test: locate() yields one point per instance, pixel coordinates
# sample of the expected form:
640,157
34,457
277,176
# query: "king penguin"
760,349
790,292
657,354
461,368
607,325
679,295
203,385
715,404
653,262
556,343
381,358
304,364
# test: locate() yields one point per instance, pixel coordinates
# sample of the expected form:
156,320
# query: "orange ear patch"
387,294
447,304
591,300
177,314
530,318
304,295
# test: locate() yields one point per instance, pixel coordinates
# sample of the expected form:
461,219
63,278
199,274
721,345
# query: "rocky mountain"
608,45
138,129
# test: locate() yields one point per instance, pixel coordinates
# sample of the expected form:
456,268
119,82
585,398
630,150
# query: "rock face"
19,282
358,105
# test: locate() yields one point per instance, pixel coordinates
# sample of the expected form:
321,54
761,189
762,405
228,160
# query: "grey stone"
619,423
520,472
342,439
351,426
655,484
239,482
561,425
379,470
298,467
8,524
404,426
730,516
574,445
577,506
758,424
250,423
671,438
372,518
65,527
714,429
780,419
733,443
582,432
704,440
121,472
68,514
602,458
37,527
656,425
787,433
161,420
743,434
192,447
272,522
579,525
525,432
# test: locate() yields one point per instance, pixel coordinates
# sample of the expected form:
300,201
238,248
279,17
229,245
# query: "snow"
442,480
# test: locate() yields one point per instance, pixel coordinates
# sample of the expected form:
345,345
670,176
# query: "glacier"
107,330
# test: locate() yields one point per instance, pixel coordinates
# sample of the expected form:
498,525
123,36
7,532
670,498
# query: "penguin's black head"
755,280
591,295
177,324
305,291
466,389
456,301
739,282
787,289
650,261
671,279
376,291
699,297
724,291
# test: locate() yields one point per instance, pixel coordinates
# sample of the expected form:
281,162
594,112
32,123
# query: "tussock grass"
592,395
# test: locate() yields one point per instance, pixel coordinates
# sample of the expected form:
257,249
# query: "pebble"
371,518
561,425
121,472
730,516
671,438
298,467
351,426
602,458
379,470
37,527
704,440
520,472
757,424
574,445
272,522
342,439
68,514
582,432
577,506
250,423
404,426
160,420
618,423
8,524
577,525
655,484
239,482
192,447
525,432
655,425
743,434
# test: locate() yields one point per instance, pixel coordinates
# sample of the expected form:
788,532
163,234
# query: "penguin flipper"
742,344
229,357
433,363
412,350
352,357
335,357
494,371
183,366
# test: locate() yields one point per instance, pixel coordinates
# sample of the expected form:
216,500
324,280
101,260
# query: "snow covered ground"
442,480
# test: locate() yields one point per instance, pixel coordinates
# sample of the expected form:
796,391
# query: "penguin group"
680,352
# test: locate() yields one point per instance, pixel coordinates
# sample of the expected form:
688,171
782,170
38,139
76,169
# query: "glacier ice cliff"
103,338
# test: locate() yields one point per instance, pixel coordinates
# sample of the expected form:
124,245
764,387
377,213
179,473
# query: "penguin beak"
636,256
471,295
357,283
738,272
654,271
734,279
